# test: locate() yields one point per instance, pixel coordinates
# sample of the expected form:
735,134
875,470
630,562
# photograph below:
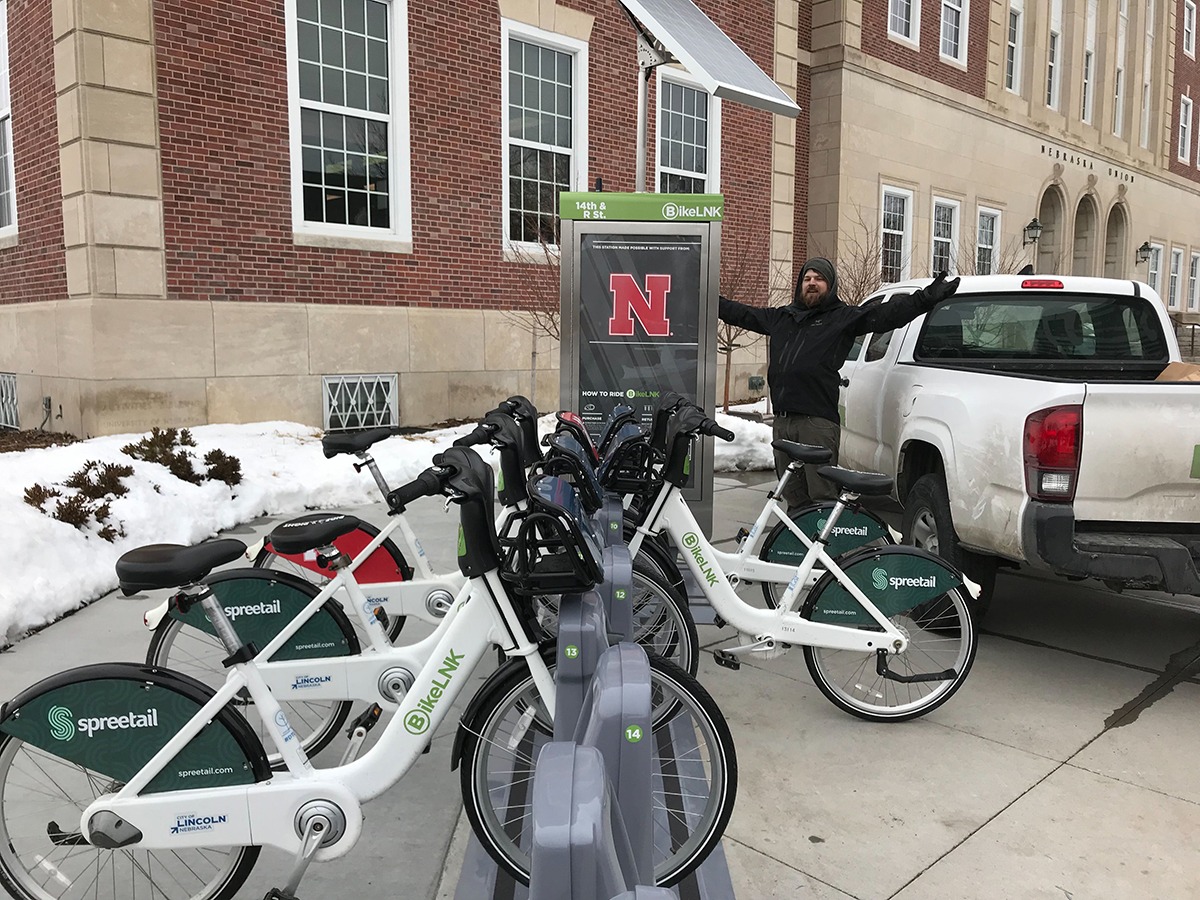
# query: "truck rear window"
1043,327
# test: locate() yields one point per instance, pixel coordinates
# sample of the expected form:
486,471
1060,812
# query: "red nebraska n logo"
629,301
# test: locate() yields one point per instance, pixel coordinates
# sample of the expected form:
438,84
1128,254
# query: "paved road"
1065,768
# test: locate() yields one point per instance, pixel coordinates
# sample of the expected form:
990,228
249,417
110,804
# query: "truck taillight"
1053,439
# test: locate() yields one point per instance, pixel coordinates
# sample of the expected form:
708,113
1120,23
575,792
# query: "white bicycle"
886,630
121,780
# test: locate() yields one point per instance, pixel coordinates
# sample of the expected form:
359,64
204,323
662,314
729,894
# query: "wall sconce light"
1033,231
1143,252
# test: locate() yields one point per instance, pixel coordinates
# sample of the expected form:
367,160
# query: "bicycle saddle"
158,566
805,453
353,441
867,484
311,531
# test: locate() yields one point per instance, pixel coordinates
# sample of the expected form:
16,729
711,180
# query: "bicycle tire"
267,558
865,694
203,661
512,697
59,861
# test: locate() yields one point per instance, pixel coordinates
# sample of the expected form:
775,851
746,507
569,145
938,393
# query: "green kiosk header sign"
643,207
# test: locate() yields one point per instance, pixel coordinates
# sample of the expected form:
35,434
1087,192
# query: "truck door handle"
845,382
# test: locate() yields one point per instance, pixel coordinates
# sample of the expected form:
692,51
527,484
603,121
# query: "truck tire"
928,525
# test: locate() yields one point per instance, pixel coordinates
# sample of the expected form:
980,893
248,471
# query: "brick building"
213,211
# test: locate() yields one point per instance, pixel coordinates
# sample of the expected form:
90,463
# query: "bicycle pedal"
381,616
726,659
280,894
742,534
366,720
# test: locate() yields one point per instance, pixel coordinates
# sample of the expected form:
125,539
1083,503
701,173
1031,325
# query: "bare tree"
1007,259
858,258
538,308
744,277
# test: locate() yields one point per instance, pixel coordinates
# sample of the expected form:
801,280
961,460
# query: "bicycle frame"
670,513
265,813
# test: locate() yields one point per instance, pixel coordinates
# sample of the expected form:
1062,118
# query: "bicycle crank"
881,668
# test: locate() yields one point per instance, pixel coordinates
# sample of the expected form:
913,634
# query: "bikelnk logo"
670,211
879,579
62,724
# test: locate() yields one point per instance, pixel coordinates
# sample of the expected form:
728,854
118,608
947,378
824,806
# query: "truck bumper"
1160,561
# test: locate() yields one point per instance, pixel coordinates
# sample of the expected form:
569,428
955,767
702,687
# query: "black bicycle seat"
353,441
311,531
158,566
867,484
805,453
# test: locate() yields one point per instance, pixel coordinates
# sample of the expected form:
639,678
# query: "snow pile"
284,472
751,449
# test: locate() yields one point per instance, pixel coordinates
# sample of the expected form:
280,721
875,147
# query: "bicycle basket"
549,547
566,460
631,467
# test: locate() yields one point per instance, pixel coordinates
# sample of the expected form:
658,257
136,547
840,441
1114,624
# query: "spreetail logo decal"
63,726
691,543
880,580
417,721
253,609
840,530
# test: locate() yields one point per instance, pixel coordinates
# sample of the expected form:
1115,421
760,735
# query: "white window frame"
579,117
906,248
1053,70
964,16
1145,129
1013,44
912,40
10,230
679,76
996,237
398,237
1118,126
1147,74
1089,65
1174,277
1184,150
1189,28
956,207
1193,302
1154,268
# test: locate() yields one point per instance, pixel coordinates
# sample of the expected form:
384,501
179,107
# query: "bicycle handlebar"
711,427
427,484
481,435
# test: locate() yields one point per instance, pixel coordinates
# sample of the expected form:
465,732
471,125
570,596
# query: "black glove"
935,293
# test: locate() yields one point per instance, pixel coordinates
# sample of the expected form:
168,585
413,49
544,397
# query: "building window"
1189,28
897,235
1173,279
1086,112
689,139
945,236
360,401
546,138
986,237
1118,102
1145,141
8,189
954,21
1118,122
1155,270
1012,57
10,417
904,20
1185,129
350,165
1194,283
1147,73
1052,73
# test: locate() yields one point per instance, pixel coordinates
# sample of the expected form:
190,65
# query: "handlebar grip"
481,435
427,484
711,427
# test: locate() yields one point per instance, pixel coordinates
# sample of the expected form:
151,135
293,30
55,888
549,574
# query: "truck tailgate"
1141,453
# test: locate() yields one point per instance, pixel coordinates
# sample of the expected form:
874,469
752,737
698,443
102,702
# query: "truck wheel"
928,525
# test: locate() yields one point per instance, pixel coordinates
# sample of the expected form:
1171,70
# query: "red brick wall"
226,169
35,269
1187,84
927,62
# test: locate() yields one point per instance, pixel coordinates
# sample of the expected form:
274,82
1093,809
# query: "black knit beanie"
825,269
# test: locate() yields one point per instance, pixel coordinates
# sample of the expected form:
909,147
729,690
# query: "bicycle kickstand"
314,833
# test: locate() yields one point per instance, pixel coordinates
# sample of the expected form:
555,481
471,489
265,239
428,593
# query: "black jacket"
808,346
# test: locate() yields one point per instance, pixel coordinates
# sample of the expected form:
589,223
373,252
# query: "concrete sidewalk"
1066,766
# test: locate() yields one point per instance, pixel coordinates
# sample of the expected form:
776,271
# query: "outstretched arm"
903,309
753,318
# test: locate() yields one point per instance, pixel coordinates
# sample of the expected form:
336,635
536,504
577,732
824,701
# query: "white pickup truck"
1022,422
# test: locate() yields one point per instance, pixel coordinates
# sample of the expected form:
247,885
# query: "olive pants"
806,486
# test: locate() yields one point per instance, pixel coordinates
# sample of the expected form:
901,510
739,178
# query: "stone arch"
1086,236
1052,216
1116,239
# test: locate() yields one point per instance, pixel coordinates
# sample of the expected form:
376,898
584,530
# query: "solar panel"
709,55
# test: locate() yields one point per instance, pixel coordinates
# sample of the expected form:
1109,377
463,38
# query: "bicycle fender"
469,722
260,602
114,717
895,579
854,528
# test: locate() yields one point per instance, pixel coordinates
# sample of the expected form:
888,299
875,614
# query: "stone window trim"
996,217
1118,124
578,50
1189,28
1184,150
946,212
1174,277
397,237
953,35
1193,303
1089,77
8,176
672,75
1054,70
1154,268
893,240
1014,48
901,14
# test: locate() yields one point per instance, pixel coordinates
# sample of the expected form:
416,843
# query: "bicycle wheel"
695,770
182,648
662,622
386,564
42,857
941,634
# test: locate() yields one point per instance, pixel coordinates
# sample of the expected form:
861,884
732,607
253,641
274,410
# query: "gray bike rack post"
582,638
648,893
610,519
580,848
616,720
617,590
